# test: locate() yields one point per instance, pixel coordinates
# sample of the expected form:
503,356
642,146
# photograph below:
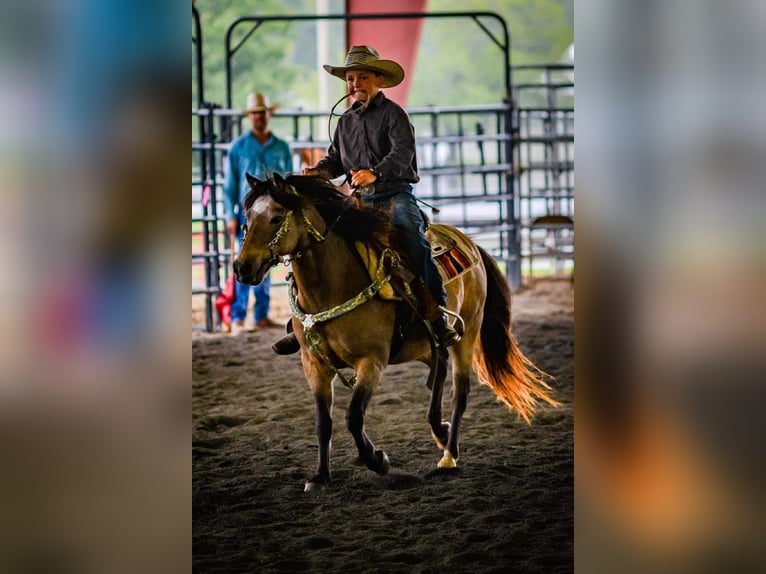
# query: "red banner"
395,39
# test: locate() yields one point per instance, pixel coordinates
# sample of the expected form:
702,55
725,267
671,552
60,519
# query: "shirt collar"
268,141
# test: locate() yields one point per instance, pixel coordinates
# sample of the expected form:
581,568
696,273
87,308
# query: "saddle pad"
451,251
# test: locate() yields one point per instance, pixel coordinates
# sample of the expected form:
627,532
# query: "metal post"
210,210
434,154
197,39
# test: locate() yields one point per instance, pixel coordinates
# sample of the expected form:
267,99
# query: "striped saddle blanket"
452,254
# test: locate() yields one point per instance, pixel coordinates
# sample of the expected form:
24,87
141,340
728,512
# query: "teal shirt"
247,155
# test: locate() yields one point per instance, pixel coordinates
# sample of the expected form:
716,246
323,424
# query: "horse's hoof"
447,461
316,483
444,432
383,462
314,486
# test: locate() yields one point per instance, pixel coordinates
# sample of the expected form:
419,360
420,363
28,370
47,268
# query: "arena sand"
508,508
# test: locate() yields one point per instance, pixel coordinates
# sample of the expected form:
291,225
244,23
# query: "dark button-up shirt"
380,137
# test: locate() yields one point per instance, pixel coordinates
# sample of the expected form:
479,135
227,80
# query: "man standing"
260,153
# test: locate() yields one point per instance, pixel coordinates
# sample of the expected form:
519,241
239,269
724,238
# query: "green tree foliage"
264,62
459,62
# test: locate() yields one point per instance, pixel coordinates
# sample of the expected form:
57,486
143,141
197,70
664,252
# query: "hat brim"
393,73
271,109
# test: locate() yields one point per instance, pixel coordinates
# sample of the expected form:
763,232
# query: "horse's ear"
253,181
277,178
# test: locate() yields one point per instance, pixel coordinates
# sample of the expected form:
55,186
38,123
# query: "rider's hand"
362,177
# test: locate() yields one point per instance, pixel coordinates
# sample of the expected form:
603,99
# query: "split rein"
308,320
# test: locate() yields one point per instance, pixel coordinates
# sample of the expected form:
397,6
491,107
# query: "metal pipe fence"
545,160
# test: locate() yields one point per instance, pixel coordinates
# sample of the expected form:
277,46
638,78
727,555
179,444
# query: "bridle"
274,257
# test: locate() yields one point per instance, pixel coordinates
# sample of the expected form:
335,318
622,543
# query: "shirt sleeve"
401,134
231,184
332,162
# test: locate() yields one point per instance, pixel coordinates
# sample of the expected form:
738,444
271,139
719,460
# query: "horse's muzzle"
247,273
242,271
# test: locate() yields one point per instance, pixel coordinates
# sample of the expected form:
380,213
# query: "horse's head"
279,223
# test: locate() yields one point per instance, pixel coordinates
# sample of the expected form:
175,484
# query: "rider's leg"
411,226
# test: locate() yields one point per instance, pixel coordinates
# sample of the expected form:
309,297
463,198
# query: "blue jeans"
262,299
411,227
242,294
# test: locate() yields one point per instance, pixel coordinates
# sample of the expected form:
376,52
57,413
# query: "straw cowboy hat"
257,102
367,58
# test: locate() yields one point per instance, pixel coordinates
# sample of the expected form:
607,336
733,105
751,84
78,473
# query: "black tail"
499,362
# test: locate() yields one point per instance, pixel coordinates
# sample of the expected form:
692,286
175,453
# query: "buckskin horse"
341,322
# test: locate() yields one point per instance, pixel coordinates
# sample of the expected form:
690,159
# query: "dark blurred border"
94,359
671,141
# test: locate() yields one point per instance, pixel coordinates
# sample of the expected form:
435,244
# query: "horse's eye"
277,220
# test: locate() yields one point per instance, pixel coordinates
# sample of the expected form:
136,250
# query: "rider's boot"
288,344
445,334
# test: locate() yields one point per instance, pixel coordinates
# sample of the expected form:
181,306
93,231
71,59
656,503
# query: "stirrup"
446,335
287,345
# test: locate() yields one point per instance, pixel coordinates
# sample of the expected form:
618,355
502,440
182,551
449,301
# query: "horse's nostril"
242,269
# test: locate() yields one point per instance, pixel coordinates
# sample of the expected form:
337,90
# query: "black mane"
350,220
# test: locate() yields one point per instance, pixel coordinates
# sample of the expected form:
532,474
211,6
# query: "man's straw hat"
257,102
366,58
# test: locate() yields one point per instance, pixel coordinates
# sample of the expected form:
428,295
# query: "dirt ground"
508,508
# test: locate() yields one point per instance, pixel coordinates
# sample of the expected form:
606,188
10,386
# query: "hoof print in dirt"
444,473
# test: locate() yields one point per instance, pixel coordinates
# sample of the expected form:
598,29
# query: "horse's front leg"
320,381
368,378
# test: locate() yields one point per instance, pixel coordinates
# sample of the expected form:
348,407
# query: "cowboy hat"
367,58
257,102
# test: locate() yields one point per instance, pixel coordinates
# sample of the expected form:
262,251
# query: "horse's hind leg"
368,377
439,429
461,386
